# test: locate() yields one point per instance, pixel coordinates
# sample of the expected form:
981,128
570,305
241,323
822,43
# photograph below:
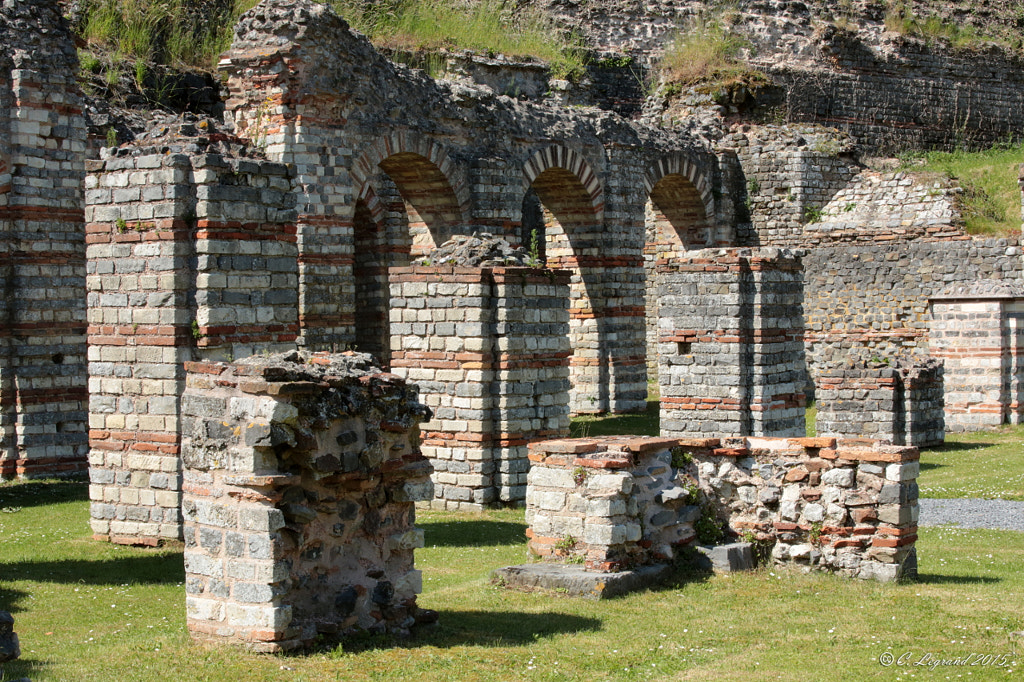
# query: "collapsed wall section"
489,349
731,347
191,255
843,506
301,474
42,150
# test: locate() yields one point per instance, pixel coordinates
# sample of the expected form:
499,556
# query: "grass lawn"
87,610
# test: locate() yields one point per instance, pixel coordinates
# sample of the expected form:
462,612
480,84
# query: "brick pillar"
489,350
975,329
42,330
139,212
731,349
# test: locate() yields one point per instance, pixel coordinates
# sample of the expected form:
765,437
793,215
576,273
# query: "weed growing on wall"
707,53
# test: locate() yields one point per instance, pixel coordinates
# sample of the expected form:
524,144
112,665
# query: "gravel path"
972,513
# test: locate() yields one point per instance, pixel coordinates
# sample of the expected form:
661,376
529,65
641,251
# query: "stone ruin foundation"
896,400
301,475
847,506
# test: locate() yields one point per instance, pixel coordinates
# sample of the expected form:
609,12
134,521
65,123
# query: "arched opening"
676,220
431,207
568,221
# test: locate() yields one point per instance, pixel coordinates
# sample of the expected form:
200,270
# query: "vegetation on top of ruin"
129,36
707,54
990,200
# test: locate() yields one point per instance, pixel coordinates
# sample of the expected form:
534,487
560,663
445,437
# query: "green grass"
88,611
901,18
707,54
170,32
988,464
990,201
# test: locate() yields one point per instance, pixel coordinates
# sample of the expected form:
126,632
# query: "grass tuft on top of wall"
707,54
990,201
187,33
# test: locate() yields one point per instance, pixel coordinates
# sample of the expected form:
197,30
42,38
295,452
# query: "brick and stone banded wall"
489,349
731,355
876,297
847,506
189,255
301,477
897,400
978,331
43,413
611,503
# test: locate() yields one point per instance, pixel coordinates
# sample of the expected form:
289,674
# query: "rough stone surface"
735,556
847,506
301,475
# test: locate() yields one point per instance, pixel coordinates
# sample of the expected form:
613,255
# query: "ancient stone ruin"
849,506
167,303
300,477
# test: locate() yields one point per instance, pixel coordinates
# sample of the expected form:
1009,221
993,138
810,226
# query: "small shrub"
120,223
681,457
813,214
565,545
579,475
196,331
708,528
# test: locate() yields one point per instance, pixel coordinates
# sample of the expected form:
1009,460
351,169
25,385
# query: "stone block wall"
731,348
301,474
489,349
978,331
848,506
898,401
43,413
191,255
875,296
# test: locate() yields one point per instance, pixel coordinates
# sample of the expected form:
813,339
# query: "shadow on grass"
471,628
936,579
163,568
473,533
10,602
646,423
38,493
929,466
22,667
958,447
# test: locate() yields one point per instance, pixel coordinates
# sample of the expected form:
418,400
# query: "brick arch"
434,188
688,168
556,167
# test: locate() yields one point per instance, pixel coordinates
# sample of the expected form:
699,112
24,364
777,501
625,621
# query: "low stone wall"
731,353
897,400
489,349
848,506
301,473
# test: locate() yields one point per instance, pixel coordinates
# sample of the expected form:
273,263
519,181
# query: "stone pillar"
190,255
489,349
301,474
977,331
731,349
894,400
43,395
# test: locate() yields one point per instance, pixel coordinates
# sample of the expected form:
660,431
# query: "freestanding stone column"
731,353
301,474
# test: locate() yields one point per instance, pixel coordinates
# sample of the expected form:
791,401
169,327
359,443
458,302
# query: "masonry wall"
895,400
190,256
42,330
980,336
876,297
731,347
489,349
301,474
848,506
